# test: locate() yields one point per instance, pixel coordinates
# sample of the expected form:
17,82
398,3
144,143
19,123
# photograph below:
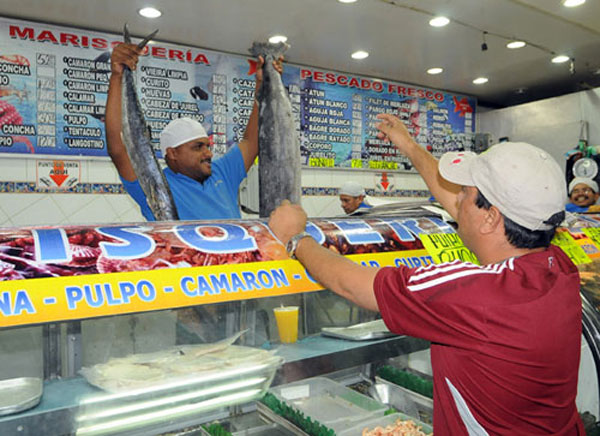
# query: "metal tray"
359,332
18,394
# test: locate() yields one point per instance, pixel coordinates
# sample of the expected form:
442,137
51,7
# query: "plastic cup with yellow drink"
287,323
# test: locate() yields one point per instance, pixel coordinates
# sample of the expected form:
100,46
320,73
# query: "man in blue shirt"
201,188
583,194
352,198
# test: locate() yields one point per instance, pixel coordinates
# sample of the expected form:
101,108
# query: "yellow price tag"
357,163
446,247
564,240
381,165
594,234
321,162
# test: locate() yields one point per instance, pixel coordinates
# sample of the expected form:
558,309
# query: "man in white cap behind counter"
352,198
583,193
201,188
506,335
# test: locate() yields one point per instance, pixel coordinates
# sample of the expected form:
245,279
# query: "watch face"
585,167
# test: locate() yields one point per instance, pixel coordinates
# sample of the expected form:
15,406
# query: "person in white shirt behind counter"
352,198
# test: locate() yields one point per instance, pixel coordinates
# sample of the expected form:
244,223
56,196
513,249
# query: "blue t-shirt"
570,207
215,198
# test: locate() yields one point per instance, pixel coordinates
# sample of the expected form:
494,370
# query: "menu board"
54,83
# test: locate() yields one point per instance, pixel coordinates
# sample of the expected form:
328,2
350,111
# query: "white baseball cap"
589,182
524,182
352,189
179,131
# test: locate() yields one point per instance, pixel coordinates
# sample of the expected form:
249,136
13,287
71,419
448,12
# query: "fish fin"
252,67
147,39
265,49
126,34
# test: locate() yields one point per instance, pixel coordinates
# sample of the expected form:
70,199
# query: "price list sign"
54,83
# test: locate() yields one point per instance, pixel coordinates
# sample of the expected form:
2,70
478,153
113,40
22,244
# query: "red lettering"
176,54
305,73
17,32
402,90
429,95
201,59
69,38
330,78
158,52
439,96
421,93
391,88
378,86
354,83
46,35
342,80
411,92
318,76
365,84
99,43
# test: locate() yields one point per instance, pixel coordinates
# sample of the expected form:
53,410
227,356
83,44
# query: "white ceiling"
402,46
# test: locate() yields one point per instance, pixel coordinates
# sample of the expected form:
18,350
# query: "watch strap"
293,243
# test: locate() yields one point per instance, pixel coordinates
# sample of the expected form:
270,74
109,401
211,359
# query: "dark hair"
521,237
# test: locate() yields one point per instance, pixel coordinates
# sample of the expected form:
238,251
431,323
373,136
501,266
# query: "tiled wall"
99,197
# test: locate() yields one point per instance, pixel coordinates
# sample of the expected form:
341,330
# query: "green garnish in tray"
216,430
296,417
406,380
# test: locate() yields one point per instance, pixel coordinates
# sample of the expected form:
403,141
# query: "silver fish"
136,136
279,146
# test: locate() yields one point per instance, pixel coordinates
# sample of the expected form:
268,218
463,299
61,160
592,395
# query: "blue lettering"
89,297
444,226
401,231
250,280
280,277
5,304
133,243
74,295
22,303
237,283
204,287
109,296
265,279
127,291
374,264
220,283
315,232
358,232
235,239
51,246
185,281
148,296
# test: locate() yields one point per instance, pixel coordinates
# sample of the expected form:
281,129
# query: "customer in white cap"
352,198
583,193
506,335
201,188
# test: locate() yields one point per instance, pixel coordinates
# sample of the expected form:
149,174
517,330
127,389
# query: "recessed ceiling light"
277,38
346,1
516,44
439,21
435,70
360,54
150,12
560,59
573,3
480,80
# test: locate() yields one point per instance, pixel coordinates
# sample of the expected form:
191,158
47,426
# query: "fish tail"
252,67
265,49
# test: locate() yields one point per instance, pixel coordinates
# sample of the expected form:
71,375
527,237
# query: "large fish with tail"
279,146
136,136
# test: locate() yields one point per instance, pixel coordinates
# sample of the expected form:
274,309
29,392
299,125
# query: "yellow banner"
565,241
35,301
446,247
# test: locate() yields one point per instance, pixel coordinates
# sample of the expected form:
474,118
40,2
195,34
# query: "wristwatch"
293,243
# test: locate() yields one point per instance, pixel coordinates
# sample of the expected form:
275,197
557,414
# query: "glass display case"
160,328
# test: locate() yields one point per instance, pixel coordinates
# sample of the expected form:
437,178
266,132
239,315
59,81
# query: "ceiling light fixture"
516,44
560,59
439,21
484,46
573,3
360,54
435,70
480,80
277,39
150,12
347,1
